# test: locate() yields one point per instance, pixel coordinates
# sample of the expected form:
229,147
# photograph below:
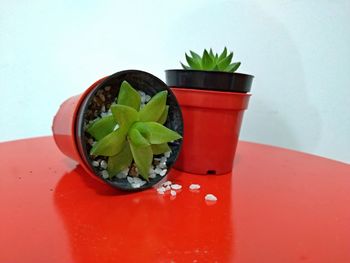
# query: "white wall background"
299,52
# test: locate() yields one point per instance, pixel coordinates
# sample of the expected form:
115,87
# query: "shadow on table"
106,225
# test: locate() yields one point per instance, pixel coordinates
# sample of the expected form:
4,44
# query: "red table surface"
277,206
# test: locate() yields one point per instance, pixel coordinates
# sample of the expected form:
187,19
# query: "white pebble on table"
176,186
211,197
195,186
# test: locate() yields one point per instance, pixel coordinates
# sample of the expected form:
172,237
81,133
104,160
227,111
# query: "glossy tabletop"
277,206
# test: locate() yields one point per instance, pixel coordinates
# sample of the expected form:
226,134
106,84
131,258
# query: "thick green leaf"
164,115
110,145
136,138
156,133
216,59
192,62
233,67
184,66
160,148
120,161
207,61
128,96
225,62
211,53
102,127
223,54
197,58
154,108
143,157
125,116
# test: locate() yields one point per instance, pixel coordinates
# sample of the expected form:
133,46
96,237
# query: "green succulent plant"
211,62
132,133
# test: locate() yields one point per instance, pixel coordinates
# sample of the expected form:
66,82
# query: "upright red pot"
212,105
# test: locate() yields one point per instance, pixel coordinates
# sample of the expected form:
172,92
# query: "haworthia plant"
211,61
132,134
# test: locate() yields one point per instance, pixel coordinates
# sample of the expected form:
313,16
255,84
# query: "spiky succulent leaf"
197,58
233,67
224,63
156,133
102,127
120,161
211,53
128,96
193,63
110,145
154,108
184,66
160,148
207,61
143,157
125,116
164,115
136,137
223,54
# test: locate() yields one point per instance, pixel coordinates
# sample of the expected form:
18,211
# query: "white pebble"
130,179
158,170
136,185
163,159
141,93
167,154
167,188
172,192
103,164
163,172
210,197
161,190
95,163
152,175
195,186
162,165
147,98
176,186
105,174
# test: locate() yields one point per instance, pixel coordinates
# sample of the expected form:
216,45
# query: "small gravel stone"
167,187
172,192
107,88
103,164
163,172
176,186
158,170
152,175
167,154
95,164
162,165
211,197
105,174
147,98
195,186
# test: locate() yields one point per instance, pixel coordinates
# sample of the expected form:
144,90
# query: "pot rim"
210,72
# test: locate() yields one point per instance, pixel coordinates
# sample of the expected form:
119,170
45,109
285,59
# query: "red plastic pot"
68,124
212,118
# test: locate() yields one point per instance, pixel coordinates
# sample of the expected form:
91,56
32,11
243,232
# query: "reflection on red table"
277,206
